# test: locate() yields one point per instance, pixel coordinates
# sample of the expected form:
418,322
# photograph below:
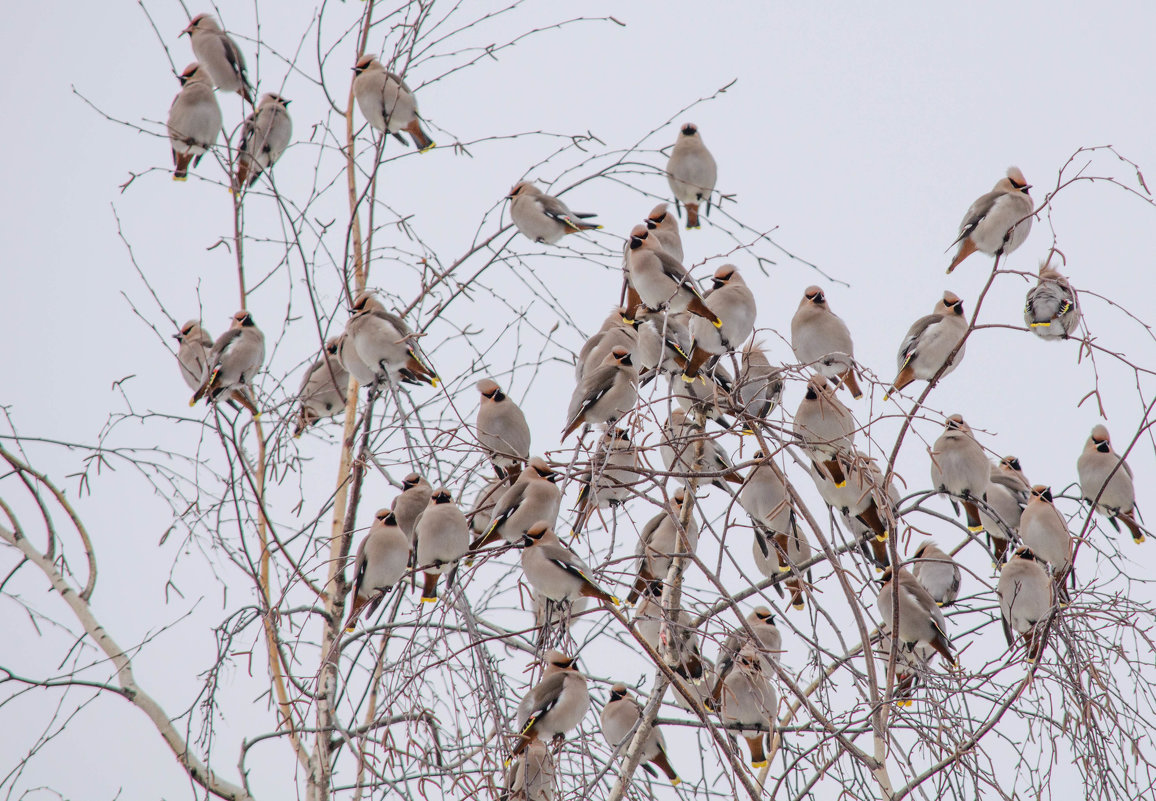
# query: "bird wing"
566,559
596,384
975,214
542,699
910,344
677,273
223,343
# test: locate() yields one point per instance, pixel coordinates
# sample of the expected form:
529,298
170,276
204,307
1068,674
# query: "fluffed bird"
219,55
615,332
619,717
443,537
381,562
664,226
691,173
502,429
996,223
234,361
531,777
385,344
531,499
767,642
909,665
387,104
663,341
1051,310
825,428
1006,496
264,136
682,440
323,389
409,505
765,498
758,387
555,571
708,396
193,353
937,572
929,341
1025,600
920,620
858,500
959,467
660,540
655,625
604,394
733,303
544,218
609,481
347,355
194,120
554,705
1106,481
1045,533
661,281
822,341
749,700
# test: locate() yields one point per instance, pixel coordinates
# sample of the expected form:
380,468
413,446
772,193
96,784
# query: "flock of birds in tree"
666,328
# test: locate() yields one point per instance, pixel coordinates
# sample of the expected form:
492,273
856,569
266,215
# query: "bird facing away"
1025,600
556,572
996,223
682,439
193,353
825,427
765,498
615,332
733,303
323,389
1051,310
937,572
691,173
235,359
387,103
531,777
554,705
264,137
1045,533
1106,482
533,498
656,626
219,55
408,506
929,342
660,280
920,619
768,642
959,467
604,394
609,481
385,344
758,387
858,500
822,341
194,120
660,540
749,699
382,559
544,218
1006,495
664,226
443,537
619,717
502,429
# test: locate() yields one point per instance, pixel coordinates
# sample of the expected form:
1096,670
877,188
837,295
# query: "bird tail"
966,248
664,765
905,377
758,755
207,388
429,591
696,306
182,161
974,524
848,379
358,604
420,140
692,216
1137,532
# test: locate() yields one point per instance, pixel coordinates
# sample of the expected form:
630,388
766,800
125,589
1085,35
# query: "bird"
920,619
531,777
908,665
960,468
385,344
1051,310
663,341
996,223
708,397
554,705
411,502
825,427
387,104
682,440
619,718
766,499
661,281
1005,497
654,625
193,349
544,218
937,572
691,172
443,537
264,136
323,389
220,56
787,553
758,387
556,572
822,341
194,120
347,355
733,303
1045,533
929,341
381,562
615,332
1106,482
660,540
483,508
609,481
749,700
767,642
502,429
857,499
235,359
662,225
1025,600
533,498
604,394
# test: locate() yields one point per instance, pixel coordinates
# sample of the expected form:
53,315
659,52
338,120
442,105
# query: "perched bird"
1025,599
387,104
533,498
323,389
615,332
193,353
996,223
661,281
734,304
194,120
660,540
909,665
1045,533
385,344
709,396
787,553
235,359
556,572
347,355
443,537
1006,496
531,777
609,481
822,341
937,572
654,625
858,500
920,619
413,500
765,498
1051,310
1106,482
544,218
502,429
662,225
929,341
604,394
959,467
825,427
555,704
749,700
767,642
682,439
758,387
691,173
619,717
663,340
264,137
219,55
382,559
484,503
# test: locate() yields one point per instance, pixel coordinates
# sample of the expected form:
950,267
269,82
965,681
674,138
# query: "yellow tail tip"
761,763
425,600
428,147
939,604
257,416
975,529
628,320
351,628
615,601
689,379
799,605
181,178
784,568
435,382
882,537
192,403
887,397
1042,325
878,569
675,782
506,764
841,484
747,432
716,323
1139,539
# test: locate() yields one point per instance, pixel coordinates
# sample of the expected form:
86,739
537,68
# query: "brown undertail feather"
966,248
420,140
692,216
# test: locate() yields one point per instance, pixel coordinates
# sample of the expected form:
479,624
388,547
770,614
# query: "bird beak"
188,30
177,337
285,102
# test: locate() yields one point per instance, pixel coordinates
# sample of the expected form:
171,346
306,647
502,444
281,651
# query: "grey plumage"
733,303
387,103
618,720
822,341
661,539
443,537
502,429
323,389
758,387
749,699
604,394
997,222
1051,310
682,440
1106,480
194,120
556,572
609,481
959,467
929,342
411,502
937,572
531,777
664,226
264,136
654,625
542,217
381,561
920,619
385,344
234,361
861,499
347,355
533,498
193,349
1006,496
1025,600
1045,533
767,643
220,56
554,705
825,427
660,280
692,173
